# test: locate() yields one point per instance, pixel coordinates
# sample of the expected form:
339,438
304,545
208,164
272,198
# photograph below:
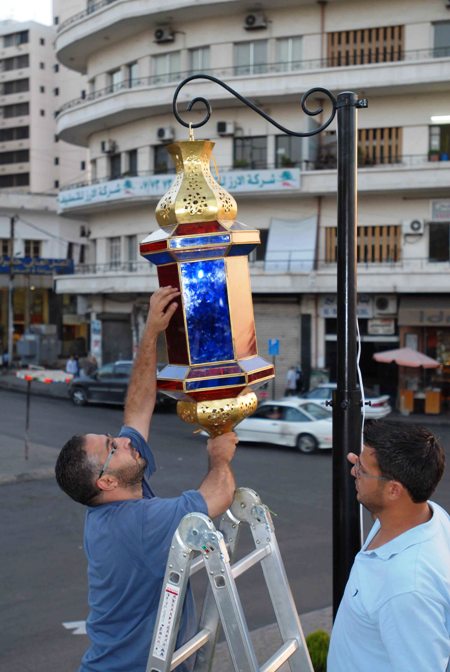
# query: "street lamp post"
12,222
347,399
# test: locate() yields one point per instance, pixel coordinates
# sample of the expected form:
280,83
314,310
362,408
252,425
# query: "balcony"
420,71
409,174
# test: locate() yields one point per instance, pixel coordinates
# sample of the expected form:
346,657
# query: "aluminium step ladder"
197,534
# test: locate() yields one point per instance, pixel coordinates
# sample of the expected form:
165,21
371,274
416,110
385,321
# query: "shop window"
250,58
375,244
366,45
439,248
162,162
166,67
441,39
289,54
32,248
250,152
288,151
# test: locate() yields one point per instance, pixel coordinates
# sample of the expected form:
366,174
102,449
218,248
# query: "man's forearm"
142,387
218,487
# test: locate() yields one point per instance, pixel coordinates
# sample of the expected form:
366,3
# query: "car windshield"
317,412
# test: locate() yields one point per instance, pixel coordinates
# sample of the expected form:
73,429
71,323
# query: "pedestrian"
128,530
72,366
291,382
395,612
298,379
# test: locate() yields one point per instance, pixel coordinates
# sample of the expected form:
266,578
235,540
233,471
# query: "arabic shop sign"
37,266
156,185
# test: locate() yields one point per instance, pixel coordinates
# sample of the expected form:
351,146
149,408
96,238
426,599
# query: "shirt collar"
415,535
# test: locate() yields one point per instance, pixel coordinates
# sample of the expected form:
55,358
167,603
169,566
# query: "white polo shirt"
395,612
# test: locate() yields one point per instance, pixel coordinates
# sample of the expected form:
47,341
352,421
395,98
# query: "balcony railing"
115,267
286,67
91,8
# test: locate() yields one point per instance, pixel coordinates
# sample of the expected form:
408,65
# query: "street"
43,569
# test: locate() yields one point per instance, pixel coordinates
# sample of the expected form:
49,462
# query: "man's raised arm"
141,396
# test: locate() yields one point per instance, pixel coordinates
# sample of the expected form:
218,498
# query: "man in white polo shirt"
395,612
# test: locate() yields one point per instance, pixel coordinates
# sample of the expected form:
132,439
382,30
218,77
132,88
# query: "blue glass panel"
192,255
223,382
242,250
159,258
178,243
207,313
174,372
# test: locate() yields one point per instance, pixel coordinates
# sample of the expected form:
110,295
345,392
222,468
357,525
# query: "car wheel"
79,397
306,443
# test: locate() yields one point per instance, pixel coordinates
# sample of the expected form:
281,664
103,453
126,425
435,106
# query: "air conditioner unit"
165,133
164,34
108,146
255,21
225,128
413,227
385,305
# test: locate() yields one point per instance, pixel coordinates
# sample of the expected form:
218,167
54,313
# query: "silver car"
377,406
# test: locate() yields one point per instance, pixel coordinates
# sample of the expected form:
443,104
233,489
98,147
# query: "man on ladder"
128,529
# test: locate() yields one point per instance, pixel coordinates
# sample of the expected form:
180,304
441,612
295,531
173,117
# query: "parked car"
379,405
289,422
109,385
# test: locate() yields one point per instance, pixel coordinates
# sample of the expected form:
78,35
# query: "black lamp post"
347,399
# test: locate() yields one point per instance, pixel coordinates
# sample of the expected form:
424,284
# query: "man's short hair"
76,472
407,453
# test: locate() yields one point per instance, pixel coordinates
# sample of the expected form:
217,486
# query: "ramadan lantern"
203,250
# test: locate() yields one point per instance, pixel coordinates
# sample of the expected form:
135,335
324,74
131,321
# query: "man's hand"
162,308
219,485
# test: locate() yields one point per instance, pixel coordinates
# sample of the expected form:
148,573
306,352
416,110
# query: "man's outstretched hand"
162,308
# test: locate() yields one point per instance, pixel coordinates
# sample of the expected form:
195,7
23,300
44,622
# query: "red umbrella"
406,357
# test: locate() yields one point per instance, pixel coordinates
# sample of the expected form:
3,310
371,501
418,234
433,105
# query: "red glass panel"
177,350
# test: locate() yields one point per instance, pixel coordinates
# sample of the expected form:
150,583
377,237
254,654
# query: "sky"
26,10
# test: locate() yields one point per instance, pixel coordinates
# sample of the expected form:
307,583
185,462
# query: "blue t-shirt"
127,544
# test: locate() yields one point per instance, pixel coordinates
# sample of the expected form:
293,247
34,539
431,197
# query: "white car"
289,422
377,406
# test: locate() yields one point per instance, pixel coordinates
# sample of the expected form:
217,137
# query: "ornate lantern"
202,250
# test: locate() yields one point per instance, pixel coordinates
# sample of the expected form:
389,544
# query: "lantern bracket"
323,93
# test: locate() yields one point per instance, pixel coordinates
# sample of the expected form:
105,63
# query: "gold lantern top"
194,196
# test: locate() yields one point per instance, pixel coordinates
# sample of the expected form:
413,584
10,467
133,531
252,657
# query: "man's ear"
395,490
106,482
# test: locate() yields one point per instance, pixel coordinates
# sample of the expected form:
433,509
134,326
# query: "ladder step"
280,656
249,560
190,647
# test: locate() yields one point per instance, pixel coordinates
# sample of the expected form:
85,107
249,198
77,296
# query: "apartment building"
395,53
33,165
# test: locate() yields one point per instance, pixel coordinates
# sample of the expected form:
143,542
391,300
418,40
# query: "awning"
424,311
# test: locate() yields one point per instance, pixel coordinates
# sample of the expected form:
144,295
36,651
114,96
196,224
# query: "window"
288,151
56,139
162,160
289,54
19,156
15,133
14,180
56,161
439,249
16,62
32,248
5,246
56,184
132,247
439,143
199,59
379,145
374,244
366,45
115,80
14,39
82,165
250,58
132,74
42,40
132,161
56,20
250,152
114,252
42,89
442,39
115,166
56,67
56,91
18,110
93,169
42,65
16,86
166,67
42,113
